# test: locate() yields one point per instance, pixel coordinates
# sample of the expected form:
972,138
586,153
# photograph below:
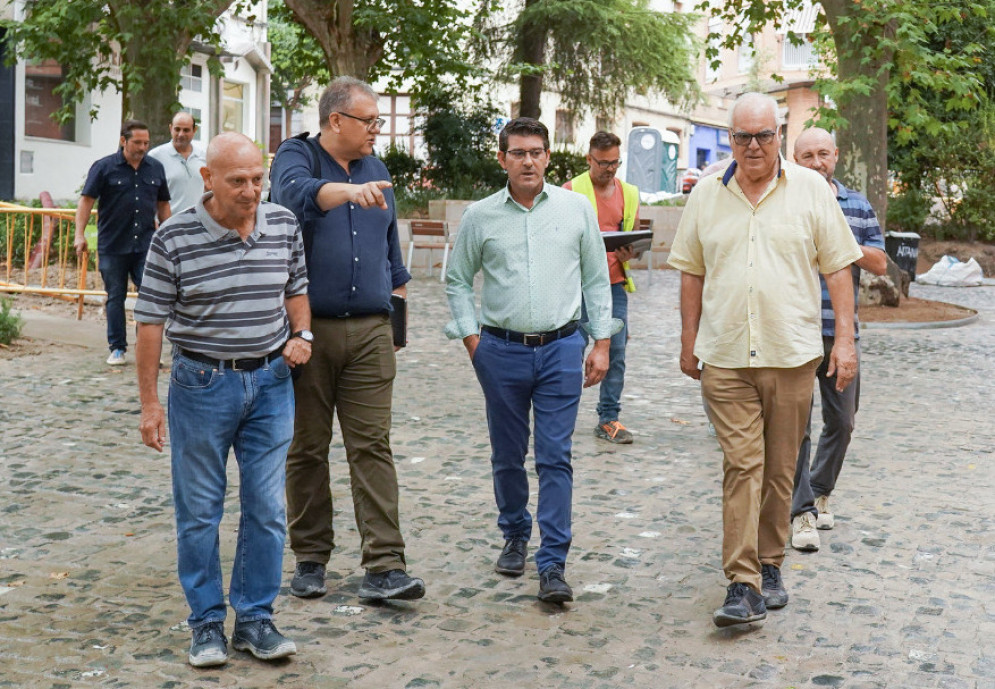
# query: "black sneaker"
261,639
774,593
309,580
512,560
553,588
209,646
393,584
743,605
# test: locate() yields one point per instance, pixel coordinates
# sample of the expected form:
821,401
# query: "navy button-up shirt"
353,254
128,202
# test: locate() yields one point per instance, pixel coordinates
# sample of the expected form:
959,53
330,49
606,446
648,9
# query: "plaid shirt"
866,230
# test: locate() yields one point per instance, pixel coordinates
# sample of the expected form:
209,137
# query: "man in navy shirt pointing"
132,191
354,264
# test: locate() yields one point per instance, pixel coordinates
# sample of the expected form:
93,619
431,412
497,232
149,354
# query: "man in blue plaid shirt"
816,150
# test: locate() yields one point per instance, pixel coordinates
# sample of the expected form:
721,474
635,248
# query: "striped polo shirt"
866,230
219,295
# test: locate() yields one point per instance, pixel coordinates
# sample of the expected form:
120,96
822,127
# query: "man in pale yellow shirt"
750,246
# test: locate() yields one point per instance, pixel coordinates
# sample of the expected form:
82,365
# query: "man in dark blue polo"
341,195
132,191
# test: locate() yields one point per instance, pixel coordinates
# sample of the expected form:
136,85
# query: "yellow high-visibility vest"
630,205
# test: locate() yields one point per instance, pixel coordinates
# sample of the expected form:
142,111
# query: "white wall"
60,167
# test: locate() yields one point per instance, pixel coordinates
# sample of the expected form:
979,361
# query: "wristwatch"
305,335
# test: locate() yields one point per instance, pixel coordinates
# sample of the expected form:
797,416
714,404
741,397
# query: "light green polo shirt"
536,264
761,300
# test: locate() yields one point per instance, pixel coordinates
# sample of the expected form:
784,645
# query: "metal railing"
39,257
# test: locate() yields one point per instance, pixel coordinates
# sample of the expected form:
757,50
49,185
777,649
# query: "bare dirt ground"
930,251
913,310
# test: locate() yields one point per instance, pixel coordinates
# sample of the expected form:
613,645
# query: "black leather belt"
532,339
231,364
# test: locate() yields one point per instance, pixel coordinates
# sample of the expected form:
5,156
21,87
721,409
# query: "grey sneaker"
261,639
209,646
613,432
826,519
394,584
116,358
742,606
309,580
774,593
803,533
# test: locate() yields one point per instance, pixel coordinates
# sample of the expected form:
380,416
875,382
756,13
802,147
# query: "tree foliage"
875,49
298,62
136,47
412,41
946,170
459,134
594,53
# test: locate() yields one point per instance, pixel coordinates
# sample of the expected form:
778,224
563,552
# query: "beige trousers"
759,416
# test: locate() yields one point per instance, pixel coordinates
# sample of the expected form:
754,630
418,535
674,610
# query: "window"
399,128
564,127
798,56
233,107
746,53
714,42
41,100
192,78
195,114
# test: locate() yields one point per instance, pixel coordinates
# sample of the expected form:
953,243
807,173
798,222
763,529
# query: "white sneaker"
803,533
116,358
826,519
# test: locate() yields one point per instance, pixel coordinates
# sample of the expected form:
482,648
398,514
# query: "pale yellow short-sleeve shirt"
761,299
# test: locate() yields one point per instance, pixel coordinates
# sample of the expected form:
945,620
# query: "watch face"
305,335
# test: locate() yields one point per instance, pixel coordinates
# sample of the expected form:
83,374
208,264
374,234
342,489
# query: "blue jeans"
547,380
211,411
115,270
610,400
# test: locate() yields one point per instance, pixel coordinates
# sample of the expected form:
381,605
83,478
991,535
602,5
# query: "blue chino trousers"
517,379
211,411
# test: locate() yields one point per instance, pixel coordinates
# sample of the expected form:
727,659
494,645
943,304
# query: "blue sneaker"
742,606
116,358
209,646
261,639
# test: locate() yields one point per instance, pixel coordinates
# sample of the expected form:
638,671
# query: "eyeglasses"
370,122
607,164
763,138
519,153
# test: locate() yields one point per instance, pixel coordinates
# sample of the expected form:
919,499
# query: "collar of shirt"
539,198
841,191
219,232
731,170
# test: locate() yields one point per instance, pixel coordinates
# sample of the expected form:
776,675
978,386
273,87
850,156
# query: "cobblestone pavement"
902,593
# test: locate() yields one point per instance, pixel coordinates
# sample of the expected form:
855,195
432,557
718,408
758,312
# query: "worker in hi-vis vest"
617,205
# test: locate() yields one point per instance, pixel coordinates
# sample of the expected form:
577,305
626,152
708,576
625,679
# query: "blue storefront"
707,145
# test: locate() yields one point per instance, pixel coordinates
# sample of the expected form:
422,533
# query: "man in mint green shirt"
540,251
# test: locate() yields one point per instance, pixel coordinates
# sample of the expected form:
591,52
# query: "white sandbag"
951,272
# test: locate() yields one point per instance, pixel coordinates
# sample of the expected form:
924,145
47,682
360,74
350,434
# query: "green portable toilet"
668,171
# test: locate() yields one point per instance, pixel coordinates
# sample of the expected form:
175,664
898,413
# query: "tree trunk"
863,143
150,84
348,51
531,50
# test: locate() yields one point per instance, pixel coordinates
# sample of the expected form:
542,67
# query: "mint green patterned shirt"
536,264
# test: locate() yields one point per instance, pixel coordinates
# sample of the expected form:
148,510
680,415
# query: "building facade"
39,155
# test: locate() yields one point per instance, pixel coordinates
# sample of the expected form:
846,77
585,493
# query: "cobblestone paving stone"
901,594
